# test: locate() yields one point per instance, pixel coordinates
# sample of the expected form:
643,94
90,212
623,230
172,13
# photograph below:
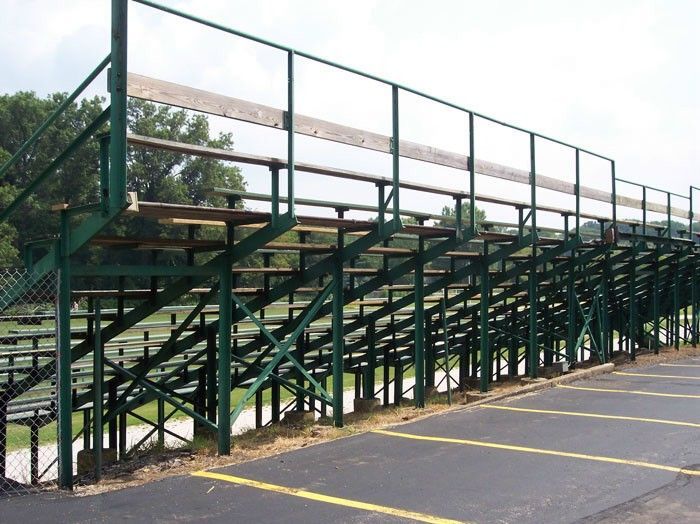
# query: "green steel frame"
513,303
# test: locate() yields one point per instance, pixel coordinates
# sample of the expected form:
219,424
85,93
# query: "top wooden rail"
143,87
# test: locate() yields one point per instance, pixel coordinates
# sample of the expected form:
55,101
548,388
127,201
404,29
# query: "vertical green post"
65,428
160,416
118,104
380,207
485,353
419,326
395,159
694,303
644,210
211,374
655,301
459,226
513,344
472,177
275,195
290,134
693,289
337,328
614,196
632,328
605,307
429,351
676,304
668,215
446,342
104,174
571,308
690,215
97,394
577,189
532,276
225,313
368,379
299,355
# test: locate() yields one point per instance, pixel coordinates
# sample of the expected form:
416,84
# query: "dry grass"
648,358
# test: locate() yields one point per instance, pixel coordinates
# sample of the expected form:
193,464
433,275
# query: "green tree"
450,211
156,175
8,233
163,176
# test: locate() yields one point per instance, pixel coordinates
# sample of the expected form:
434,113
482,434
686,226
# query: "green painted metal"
297,52
275,195
98,395
282,349
676,306
446,345
578,194
395,152
224,356
534,354
472,176
63,323
552,298
165,396
614,196
485,348
370,367
655,303
571,309
338,341
290,133
632,320
418,333
694,302
118,103
76,144
52,118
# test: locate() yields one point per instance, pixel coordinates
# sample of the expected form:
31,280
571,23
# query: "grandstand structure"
407,293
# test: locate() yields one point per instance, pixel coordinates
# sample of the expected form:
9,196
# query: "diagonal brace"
283,348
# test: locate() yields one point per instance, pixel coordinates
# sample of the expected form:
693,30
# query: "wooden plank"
340,173
139,86
160,91
232,156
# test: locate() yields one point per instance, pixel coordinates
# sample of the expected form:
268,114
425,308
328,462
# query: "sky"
620,78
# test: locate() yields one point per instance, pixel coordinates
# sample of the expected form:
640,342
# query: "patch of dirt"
648,358
153,465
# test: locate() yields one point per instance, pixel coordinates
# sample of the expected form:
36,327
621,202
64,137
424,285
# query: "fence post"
118,103
63,337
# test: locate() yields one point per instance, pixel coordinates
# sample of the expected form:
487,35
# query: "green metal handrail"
668,194
348,69
396,87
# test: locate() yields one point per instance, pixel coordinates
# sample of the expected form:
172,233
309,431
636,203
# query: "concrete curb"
540,386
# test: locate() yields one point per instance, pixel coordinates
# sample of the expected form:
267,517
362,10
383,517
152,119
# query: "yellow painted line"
319,497
539,451
632,392
680,365
594,415
653,375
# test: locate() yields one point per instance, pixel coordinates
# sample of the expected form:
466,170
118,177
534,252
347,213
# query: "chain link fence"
28,408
